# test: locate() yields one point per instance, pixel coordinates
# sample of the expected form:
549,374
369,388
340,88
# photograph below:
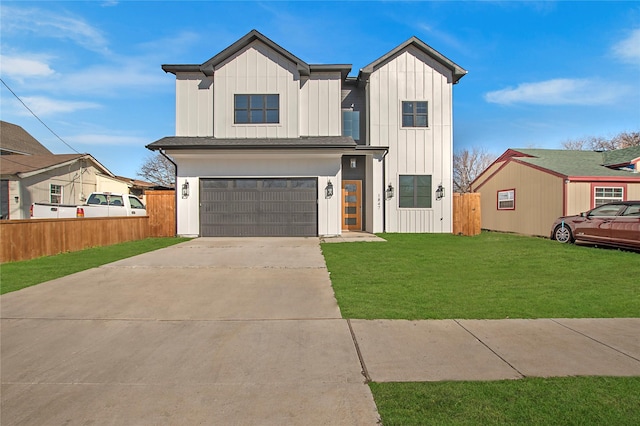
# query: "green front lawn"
492,275
533,401
17,275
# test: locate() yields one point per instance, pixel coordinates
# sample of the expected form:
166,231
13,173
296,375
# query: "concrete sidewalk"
248,331
497,349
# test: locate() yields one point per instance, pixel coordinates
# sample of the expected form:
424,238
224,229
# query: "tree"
159,170
599,143
467,165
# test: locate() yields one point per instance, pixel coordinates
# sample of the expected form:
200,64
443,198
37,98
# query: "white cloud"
560,91
628,49
95,139
23,67
42,106
45,23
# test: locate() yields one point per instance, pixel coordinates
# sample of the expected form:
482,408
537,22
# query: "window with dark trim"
251,109
414,114
415,191
507,199
55,194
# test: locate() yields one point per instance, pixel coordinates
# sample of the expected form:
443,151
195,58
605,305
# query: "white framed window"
55,194
507,199
414,114
252,109
607,194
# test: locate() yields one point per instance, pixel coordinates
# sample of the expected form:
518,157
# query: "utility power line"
38,118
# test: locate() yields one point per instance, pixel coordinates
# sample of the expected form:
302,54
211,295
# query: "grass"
493,275
532,401
18,275
489,276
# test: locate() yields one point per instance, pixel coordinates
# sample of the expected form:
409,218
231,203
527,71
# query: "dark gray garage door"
258,207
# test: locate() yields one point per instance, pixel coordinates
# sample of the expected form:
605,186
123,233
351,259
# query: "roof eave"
457,71
209,66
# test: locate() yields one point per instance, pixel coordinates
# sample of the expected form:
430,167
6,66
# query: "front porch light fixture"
353,163
389,192
185,189
328,190
440,192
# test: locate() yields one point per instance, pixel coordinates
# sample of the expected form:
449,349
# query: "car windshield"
606,210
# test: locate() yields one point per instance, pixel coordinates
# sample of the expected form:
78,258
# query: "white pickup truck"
99,204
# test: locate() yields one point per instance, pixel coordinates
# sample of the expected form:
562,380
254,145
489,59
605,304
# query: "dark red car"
613,224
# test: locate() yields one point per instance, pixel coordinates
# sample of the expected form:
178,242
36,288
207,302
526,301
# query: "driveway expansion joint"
365,372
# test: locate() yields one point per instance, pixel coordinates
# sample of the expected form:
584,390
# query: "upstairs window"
414,114
252,109
351,124
55,194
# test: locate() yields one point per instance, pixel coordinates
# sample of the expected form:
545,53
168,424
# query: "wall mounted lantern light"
389,192
353,163
328,190
440,192
185,189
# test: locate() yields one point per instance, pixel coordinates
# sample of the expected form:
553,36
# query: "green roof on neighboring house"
579,163
621,156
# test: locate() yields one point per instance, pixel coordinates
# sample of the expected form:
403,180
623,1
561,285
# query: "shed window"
507,199
55,194
415,191
603,195
251,109
414,114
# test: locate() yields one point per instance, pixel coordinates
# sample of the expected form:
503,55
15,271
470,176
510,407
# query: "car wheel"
563,234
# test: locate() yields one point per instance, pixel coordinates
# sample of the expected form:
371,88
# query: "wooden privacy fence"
466,214
161,208
28,239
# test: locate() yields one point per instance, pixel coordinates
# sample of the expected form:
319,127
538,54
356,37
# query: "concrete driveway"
212,331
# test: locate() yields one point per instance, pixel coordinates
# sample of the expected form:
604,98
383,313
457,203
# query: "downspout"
384,192
175,178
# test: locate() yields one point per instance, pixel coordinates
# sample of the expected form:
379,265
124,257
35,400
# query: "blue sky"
540,73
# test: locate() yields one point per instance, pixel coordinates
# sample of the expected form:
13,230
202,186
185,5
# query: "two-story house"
269,145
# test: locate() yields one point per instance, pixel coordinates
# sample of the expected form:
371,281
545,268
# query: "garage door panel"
258,207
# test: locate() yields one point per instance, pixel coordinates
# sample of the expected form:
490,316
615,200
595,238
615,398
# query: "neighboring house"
30,173
525,190
267,144
138,187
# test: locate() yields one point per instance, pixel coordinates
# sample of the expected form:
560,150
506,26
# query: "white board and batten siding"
320,105
194,105
256,69
414,76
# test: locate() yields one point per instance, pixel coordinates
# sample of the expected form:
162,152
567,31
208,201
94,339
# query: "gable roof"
15,140
208,67
457,71
621,157
29,165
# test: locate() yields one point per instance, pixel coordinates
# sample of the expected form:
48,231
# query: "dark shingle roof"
207,142
14,164
570,162
15,139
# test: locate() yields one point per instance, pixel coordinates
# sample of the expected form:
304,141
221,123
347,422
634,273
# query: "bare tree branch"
157,169
599,143
467,165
